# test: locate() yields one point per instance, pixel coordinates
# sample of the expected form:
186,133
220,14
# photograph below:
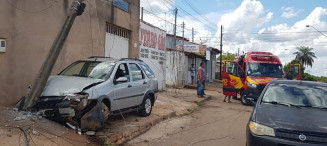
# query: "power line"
197,11
170,1
38,11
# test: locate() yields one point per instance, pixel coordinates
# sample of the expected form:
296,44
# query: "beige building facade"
28,29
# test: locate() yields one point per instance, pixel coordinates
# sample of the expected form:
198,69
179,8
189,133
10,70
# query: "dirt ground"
215,123
20,128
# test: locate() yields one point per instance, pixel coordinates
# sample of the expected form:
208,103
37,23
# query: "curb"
125,136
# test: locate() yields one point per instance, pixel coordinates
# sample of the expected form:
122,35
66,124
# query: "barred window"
115,30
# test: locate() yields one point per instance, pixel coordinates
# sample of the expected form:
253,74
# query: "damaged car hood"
63,85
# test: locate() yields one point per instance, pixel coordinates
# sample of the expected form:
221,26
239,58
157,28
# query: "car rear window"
301,95
147,70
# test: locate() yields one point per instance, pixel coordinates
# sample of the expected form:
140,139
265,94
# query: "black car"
289,113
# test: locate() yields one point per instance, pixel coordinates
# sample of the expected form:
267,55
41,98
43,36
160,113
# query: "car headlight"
76,97
259,129
252,85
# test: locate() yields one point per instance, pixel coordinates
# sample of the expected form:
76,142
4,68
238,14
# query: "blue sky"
277,26
222,6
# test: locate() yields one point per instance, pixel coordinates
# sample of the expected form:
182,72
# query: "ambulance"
248,74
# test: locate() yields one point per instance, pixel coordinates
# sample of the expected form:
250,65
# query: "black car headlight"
259,129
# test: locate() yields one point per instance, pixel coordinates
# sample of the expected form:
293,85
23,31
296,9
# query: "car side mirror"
121,80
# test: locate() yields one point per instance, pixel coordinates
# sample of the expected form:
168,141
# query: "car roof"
298,82
110,59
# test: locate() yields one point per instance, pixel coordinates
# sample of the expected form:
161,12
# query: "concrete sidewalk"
170,103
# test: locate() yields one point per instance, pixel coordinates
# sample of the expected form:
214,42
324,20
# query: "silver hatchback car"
88,91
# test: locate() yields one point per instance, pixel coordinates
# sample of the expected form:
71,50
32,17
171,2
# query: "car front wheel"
146,107
243,100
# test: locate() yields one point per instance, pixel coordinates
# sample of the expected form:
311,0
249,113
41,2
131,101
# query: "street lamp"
316,30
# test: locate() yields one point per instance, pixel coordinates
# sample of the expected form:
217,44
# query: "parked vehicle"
88,91
291,113
249,74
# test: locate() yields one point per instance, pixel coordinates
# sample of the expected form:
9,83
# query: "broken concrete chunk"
18,119
34,132
90,133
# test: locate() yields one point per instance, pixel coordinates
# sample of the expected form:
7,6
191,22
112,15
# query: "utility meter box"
3,45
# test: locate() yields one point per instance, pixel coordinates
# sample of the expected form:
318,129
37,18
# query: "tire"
146,107
243,100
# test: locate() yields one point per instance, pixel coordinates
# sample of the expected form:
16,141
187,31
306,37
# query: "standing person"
201,80
228,99
192,70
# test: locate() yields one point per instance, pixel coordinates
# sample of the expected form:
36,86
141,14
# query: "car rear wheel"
146,107
243,100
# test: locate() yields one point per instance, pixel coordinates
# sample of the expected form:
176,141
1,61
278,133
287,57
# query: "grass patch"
190,110
199,103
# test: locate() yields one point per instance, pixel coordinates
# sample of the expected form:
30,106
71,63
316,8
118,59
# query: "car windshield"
87,69
298,95
265,70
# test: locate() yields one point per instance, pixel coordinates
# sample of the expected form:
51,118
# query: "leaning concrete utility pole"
221,51
49,62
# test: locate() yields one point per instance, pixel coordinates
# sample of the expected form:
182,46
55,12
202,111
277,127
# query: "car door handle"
129,86
145,82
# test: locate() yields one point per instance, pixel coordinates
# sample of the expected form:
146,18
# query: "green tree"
227,56
305,55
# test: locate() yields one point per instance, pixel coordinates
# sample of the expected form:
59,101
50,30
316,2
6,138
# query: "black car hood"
292,118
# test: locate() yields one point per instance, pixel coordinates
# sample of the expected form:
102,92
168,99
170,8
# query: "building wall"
152,50
30,28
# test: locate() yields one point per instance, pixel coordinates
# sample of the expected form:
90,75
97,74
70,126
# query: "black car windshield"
88,69
265,70
298,95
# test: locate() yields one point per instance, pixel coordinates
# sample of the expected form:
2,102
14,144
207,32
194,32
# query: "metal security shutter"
117,42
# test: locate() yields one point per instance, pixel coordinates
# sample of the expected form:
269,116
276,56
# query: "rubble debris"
79,131
24,115
71,126
34,132
18,119
90,133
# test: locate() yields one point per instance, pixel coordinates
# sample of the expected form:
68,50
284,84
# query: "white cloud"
155,6
290,12
281,39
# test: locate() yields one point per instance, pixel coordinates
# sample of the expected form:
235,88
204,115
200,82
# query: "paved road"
215,123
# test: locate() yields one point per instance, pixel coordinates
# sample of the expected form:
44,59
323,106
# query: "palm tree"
305,55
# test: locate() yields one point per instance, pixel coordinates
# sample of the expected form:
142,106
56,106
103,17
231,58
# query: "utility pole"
183,26
221,51
49,62
238,51
175,38
175,49
192,35
142,10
